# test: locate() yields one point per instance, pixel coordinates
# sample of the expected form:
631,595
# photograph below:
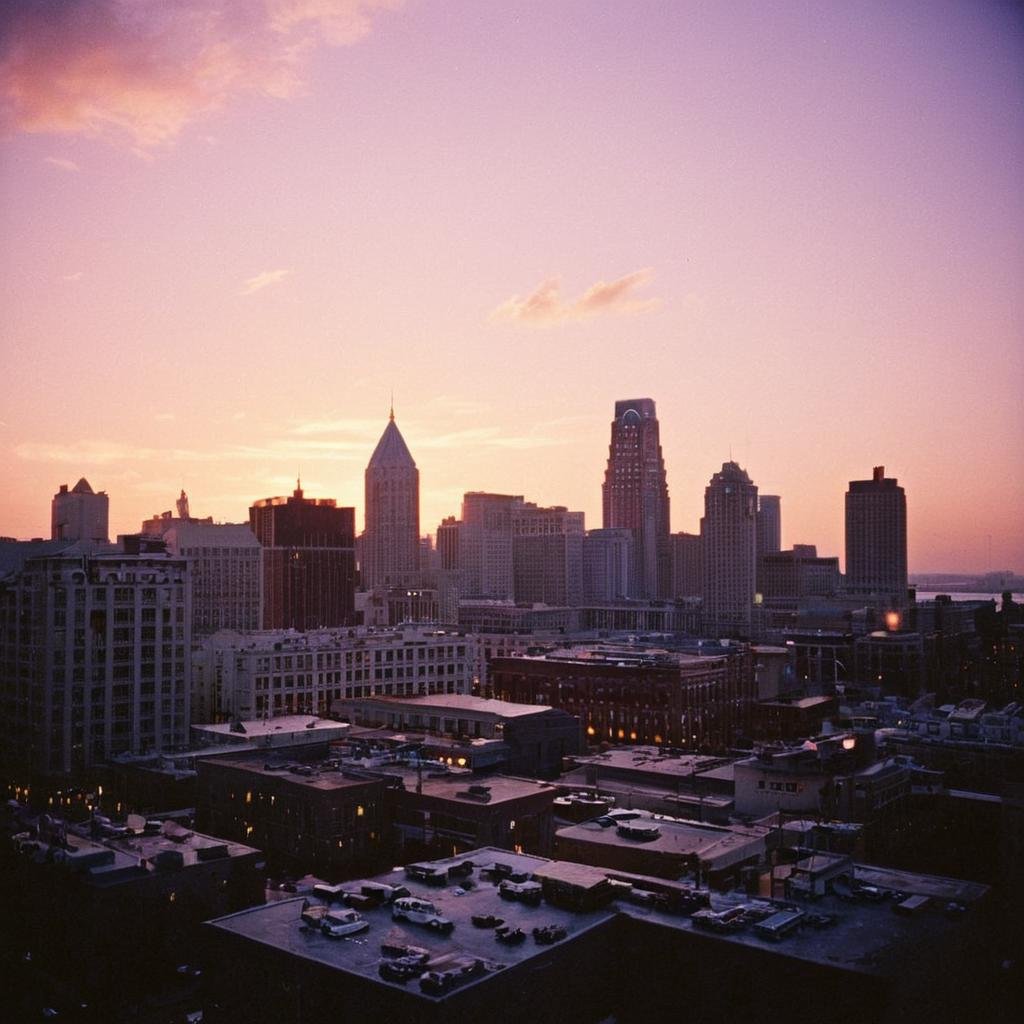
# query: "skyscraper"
729,536
79,514
876,538
505,549
608,573
226,564
687,565
308,561
391,541
769,524
635,494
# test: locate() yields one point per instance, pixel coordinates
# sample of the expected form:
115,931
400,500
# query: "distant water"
930,595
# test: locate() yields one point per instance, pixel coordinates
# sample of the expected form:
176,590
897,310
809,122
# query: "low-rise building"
665,847
592,943
110,917
281,672
318,817
827,776
640,693
535,738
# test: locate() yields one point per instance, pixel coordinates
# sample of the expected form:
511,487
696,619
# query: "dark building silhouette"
635,494
308,561
687,565
79,514
728,531
769,524
876,539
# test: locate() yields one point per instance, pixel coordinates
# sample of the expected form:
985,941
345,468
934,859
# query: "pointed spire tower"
391,540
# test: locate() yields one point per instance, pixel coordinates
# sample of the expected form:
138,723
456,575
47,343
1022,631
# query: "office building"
687,565
633,693
391,540
225,562
876,539
729,537
608,569
274,672
80,514
94,654
547,555
769,524
508,549
635,494
798,573
308,561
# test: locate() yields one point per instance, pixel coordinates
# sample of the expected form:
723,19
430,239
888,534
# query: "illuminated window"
360,810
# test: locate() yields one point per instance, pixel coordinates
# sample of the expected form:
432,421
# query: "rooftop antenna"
391,416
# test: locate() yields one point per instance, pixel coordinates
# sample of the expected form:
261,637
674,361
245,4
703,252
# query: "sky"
230,230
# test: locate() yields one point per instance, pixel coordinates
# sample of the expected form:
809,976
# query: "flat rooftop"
650,760
502,788
450,702
260,727
719,846
323,776
865,937
629,657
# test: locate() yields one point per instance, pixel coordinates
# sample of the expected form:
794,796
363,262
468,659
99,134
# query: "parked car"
418,911
440,980
338,923
509,934
486,921
549,933
401,968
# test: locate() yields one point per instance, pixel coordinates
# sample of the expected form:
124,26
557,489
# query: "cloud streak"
141,70
264,280
544,306
62,163
102,452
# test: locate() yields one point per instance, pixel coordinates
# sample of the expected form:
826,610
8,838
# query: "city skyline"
798,231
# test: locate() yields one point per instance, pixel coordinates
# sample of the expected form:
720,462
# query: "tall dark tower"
308,561
391,541
729,540
635,494
876,539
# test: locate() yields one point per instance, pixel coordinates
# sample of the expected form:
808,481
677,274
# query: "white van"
411,908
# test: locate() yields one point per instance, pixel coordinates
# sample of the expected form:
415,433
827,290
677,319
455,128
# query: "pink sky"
231,228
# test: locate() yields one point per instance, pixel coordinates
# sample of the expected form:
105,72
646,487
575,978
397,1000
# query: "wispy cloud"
61,162
289,450
264,280
488,437
360,427
141,70
76,276
544,306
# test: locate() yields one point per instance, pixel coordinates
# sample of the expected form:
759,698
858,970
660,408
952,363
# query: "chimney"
879,473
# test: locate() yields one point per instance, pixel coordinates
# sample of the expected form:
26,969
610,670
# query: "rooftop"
650,760
453,702
865,937
716,846
254,728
